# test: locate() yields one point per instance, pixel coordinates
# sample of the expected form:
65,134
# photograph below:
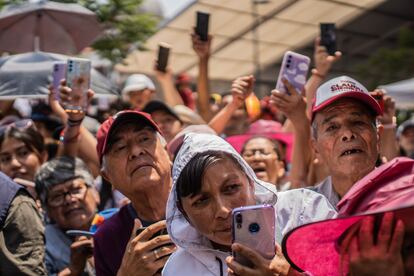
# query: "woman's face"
224,187
17,160
260,154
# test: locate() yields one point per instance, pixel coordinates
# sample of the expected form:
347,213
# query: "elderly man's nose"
348,135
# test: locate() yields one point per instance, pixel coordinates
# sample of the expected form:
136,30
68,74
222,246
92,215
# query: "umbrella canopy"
29,75
47,26
402,92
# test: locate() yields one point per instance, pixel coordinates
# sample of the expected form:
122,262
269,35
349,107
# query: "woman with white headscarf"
210,179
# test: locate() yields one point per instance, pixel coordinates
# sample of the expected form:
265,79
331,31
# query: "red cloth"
188,99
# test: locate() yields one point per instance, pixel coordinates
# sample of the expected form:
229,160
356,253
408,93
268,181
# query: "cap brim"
121,117
370,101
153,106
315,247
237,141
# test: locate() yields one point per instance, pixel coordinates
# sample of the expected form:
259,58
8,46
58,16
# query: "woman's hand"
66,96
276,266
324,61
241,88
383,257
293,106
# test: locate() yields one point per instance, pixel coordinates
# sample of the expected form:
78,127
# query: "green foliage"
125,28
390,65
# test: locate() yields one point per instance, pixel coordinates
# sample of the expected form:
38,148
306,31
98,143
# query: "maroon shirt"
111,239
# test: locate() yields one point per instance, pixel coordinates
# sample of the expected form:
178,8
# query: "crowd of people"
148,187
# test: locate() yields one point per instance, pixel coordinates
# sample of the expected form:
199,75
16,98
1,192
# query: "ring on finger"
156,254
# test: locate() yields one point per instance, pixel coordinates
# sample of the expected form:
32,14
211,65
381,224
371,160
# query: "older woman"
210,179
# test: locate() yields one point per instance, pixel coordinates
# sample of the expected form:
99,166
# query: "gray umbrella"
47,26
28,75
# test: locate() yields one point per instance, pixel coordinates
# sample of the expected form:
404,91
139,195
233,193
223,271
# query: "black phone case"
202,25
328,37
163,54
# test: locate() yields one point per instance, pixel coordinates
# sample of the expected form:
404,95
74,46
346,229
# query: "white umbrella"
47,26
402,92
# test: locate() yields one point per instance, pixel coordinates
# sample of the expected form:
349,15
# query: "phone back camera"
239,220
254,227
287,66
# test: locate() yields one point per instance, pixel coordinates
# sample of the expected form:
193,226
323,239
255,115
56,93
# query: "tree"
390,65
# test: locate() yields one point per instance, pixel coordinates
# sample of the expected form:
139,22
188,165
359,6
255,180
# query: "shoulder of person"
302,197
23,211
184,263
115,224
300,206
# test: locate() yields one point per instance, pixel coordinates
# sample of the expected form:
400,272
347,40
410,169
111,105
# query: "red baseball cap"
343,87
106,128
315,247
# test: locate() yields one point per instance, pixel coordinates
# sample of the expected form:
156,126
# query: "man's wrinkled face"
136,160
347,140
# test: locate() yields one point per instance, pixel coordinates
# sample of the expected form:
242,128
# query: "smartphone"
78,75
76,233
202,25
328,37
294,68
254,227
163,53
59,72
159,233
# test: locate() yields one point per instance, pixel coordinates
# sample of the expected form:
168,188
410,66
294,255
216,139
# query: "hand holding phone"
163,54
294,69
254,227
78,76
58,73
328,37
202,25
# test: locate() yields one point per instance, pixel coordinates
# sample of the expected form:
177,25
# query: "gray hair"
58,171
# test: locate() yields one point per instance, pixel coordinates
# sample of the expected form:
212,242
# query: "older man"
345,136
134,159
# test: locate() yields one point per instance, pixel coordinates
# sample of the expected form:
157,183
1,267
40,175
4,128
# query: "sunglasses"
20,124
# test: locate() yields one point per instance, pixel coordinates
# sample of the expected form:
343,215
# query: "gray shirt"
326,188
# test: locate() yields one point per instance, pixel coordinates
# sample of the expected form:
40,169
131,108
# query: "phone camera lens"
254,227
288,66
239,218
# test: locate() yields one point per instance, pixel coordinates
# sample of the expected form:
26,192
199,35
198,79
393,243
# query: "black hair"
29,136
190,180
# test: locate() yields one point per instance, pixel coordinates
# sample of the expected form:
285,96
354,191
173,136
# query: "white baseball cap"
137,82
343,87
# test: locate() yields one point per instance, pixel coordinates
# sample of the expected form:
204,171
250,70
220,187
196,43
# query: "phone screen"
163,54
202,25
328,37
